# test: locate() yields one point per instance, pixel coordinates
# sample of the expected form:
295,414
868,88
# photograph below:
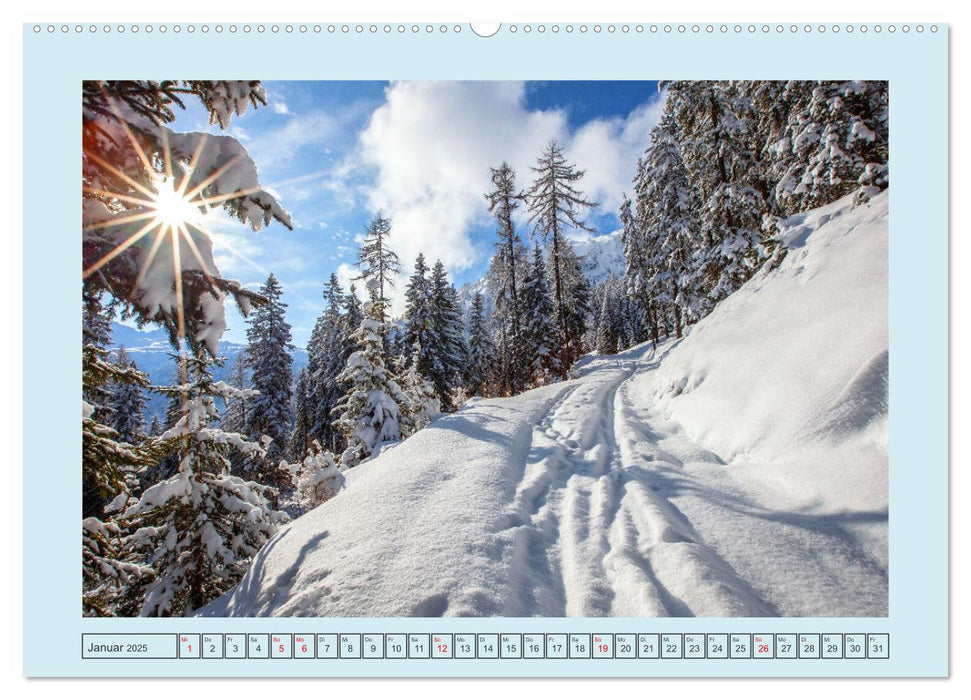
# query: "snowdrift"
740,471
788,378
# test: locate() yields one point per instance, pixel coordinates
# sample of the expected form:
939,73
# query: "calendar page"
514,349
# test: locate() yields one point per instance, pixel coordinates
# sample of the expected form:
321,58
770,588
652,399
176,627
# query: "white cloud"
609,149
275,146
432,143
280,107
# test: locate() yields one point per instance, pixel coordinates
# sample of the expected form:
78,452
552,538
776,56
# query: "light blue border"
916,66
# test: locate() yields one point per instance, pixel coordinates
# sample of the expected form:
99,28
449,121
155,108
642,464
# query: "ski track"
617,513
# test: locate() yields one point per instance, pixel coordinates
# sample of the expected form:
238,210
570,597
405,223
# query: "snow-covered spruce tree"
450,351
668,277
506,271
370,412
234,417
479,374
635,269
539,332
155,427
555,207
109,463
327,353
350,322
714,134
422,334
378,263
129,157
610,319
127,403
318,478
836,141
300,442
270,412
199,528
108,470
108,572
423,404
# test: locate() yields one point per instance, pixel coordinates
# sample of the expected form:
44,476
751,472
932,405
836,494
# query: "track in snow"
617,513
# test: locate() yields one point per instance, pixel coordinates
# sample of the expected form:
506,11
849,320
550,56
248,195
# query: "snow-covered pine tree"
378,262
108,572
539,332
370,412
450,351
714,133
327,353
300,442
199,528
318,478
668,280
555,206
636,272
835,142
423,404
235,416
479,374
351,321
127,403
506,271
422,334
610,319
130,160
576,308
155,427
108,468
108,462
269,413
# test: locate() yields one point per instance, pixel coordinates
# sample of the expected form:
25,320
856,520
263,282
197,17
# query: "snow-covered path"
618,513
741,471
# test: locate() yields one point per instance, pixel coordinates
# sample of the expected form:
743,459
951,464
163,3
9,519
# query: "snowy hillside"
738,472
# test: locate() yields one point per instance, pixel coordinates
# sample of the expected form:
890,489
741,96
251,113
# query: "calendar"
492,349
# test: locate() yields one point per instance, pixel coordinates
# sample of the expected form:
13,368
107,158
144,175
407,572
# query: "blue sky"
336,152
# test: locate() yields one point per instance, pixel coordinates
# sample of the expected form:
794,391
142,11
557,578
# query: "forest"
174,509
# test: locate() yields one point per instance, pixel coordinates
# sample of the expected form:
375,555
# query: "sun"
171,207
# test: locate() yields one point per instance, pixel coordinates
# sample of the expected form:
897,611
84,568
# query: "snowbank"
787,379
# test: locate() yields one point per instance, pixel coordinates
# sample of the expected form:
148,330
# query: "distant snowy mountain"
151,351
740,471
600,256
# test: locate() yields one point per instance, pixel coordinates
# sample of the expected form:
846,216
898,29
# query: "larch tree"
505,276
555,207
378,263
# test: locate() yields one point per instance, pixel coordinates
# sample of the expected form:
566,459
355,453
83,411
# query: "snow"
741,471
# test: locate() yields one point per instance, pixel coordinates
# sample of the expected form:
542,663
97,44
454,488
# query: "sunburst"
170,209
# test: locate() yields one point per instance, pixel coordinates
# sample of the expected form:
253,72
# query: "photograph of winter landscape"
385,349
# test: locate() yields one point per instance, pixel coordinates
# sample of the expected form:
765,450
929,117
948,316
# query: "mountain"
151,351
740,471
600,256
